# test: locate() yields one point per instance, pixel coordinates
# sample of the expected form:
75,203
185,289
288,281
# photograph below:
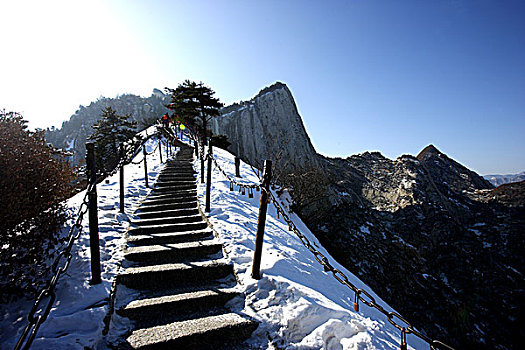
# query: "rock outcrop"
267,127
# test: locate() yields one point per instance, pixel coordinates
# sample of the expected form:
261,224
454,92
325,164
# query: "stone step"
173,192
173,252
167,228
168,213
176,178
174,195
167,205
170,198
183,167
173,237
175,188
179,171
174,275
168,220
201,333
167,306
174,183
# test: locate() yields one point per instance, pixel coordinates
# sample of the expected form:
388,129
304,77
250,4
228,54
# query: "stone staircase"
176,288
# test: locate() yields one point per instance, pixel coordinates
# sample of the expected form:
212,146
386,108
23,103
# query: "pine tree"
195,104
110,131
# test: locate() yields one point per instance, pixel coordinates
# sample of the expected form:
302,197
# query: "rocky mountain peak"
444,170
267,127
429,151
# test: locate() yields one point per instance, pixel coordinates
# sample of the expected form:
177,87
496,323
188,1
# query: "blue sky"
391,76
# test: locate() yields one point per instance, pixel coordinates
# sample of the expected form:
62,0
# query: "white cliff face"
255,128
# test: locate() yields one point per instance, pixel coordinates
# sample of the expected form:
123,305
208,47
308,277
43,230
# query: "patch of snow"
476,232
365,229
71,145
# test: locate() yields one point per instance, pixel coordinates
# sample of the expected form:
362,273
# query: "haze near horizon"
366,75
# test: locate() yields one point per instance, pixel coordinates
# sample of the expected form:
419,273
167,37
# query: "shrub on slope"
34,179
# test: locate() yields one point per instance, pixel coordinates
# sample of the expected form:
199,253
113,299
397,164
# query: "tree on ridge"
195,104
110,131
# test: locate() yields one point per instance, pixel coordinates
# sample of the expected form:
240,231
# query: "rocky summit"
434,239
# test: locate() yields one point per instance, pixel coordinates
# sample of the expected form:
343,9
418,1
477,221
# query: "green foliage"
34,179
194,105
110,131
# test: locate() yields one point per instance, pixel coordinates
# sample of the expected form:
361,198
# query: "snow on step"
172,237
175,182
168,220
179,194
175,272
170,252
177,304
173,193
198,333
190,226
177,177
168,213
182,189
168,199
174,275
167,205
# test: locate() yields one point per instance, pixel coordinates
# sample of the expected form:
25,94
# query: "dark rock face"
449,257
431,237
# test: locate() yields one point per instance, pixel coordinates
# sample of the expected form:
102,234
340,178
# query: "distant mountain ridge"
497,180
436,240
73,134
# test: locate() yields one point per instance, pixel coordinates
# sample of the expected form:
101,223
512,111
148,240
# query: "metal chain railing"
128,157
360,295
404,326
40,311
230,179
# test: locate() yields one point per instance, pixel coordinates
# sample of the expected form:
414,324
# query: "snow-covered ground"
298,305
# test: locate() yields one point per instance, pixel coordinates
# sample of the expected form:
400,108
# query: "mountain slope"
428,234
